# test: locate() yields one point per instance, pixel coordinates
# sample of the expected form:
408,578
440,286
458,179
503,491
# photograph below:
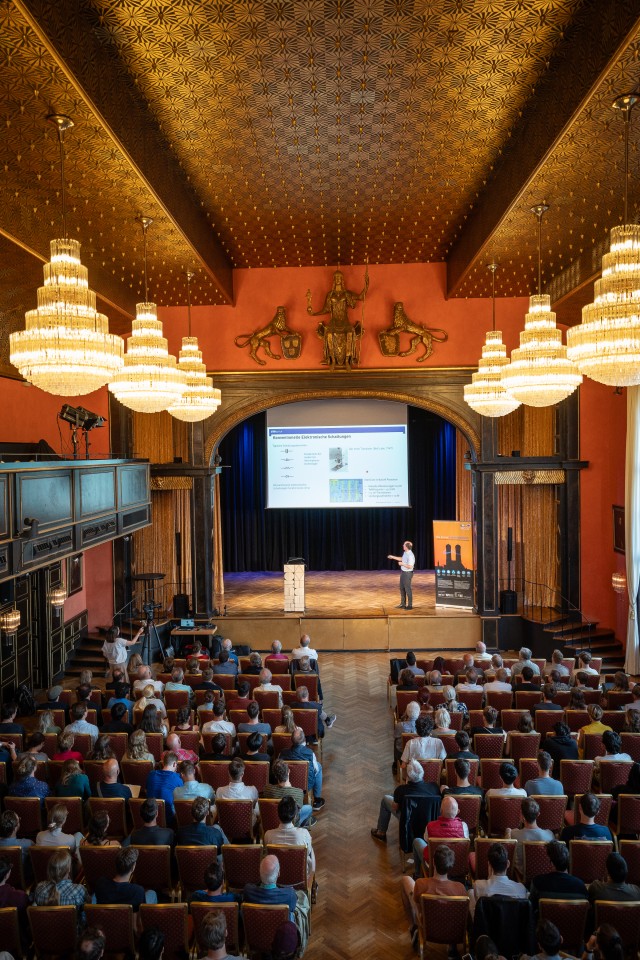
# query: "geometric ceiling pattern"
312,132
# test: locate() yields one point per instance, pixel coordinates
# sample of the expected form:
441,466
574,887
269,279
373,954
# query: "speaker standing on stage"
407,562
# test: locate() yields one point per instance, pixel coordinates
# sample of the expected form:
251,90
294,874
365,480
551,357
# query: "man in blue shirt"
227,646
109,787
587,828
225,665
161,784
198,833
122,696
544,784
268,891
300,751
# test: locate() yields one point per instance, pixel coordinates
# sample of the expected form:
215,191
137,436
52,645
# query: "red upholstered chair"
183,812
214,772
442,920
490,773
525,699
593,746
269,698
535,859
155,745
238,716
576,776
469,807
310,681
563,697
570,917
241,864
228,750
280,741
68,697
97,862
53,926
488,745
629,849
471,698
192,863
614,773
276,665
235,818
55,772
576,719
308,721
479,859
174,699
153,868
628,814
272,716
436,698
250,678
51,740
624,918
545,720
134,810
503,812
500,699
282,680
299,773
116,922
460,847
256,774
260,924
172,920
14,856
75,818
115,807
476,718
403,698
449,740
82,742
527,770
617,699
511,719
631,745
615,719
552,811
29,809
523,745
118,743
602,816
293,864
10,931
40,857
594,695
231,913
16,739
588,858
432,770
93,769
189,739
455,720
135,772
269,819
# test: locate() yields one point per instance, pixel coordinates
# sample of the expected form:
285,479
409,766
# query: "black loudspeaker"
181,606
509,544
508,601
178,549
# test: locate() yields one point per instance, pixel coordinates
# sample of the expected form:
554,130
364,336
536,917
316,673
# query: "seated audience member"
191,788
183,720
119,720
102,749
46,724
65,749
414,787
560,683
177,681
481,655
406,725
194,671
150,946
442,721
150,835
559,884
304,703
79,722
524,661
497,663
549,941
423,746
439,885
620,683
225,665
605,944
213,887
576,698
241,699
9,826
255,665
121,695
213,935
137,747
98,830
527,684
288,724
406,681
8,713
53,835
237,789
152,721
266,685
9,896
304,650
253,749
631,721
227,646
206,706
73,782
447,826
635,703
500,684
300,751
549,692
276,652
161,783
544,784
253,724
410,660
268,891
118,675
218,748
197,651
174,744
556,663
145,679
462,769
219,724
91,944
25,784
470,683
198,833
490,716
33,747
282,788
524,726
109,787
562,746
58,890
53,701
83,695
288,833
612,743
583,666
615,887
435,681
508,775
450,702
595,725
587,828
469,663
8,756
528,831
498,883
207,682
148,699
463,742
120,889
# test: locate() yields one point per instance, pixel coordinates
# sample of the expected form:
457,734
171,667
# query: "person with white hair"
481,655
276,652
450,702
265,684
447,826
390,805
268,891
145,679
524,661
500,684
406,725
305,649
228,646
497,663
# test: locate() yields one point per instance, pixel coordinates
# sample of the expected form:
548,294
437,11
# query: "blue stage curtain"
257,539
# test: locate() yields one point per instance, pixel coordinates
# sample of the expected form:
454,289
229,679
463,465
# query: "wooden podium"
294,588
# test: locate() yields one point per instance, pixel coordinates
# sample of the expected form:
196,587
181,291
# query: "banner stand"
454,568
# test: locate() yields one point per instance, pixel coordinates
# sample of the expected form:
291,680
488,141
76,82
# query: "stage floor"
353,593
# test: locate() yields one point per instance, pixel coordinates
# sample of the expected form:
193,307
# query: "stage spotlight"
79,417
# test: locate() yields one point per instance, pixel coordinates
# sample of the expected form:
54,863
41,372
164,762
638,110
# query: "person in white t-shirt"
145,678
406,563
115,649
304,650
236,789
508,775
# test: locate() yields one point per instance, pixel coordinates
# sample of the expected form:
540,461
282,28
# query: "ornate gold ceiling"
309,132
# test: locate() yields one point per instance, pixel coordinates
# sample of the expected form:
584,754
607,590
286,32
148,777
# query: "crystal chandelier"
605,346
486,394
150,380
57,597
10,622
200,398
540,374
66,347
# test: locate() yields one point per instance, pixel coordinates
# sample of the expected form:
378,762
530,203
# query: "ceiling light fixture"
200,398
150,380
605,346
540,374
66,348
486,394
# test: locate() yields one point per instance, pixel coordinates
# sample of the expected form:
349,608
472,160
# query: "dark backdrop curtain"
358,538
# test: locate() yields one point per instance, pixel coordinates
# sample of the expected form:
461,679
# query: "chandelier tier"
605,346
200,398
486,393
66,348
540,373
150,380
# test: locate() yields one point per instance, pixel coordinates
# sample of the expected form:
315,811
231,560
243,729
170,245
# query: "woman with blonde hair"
59,890
450,702
66,741
147,699
53,835
45,722
97,832
595,725
137,748
135,661
73,782
288,724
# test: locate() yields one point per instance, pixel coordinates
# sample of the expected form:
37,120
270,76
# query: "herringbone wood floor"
358,913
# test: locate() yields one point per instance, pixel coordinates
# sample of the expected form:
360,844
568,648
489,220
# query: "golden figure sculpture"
290,340
389,339
341,338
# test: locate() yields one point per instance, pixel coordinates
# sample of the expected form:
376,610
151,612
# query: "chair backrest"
576,776
241,864
481,850
53,926
511,718
256,774
282,680
280,741
97,862
525,699
503,812
500,699
268,698
293,864
629,849
490,773
444,918
269,819
29,809
83,743
593,746
134,809
628,814
570,917
40,857
308,680
614,773
460,847
10,931
604,813
272,716
252,679
299,773
587,859
116,922
618,698
174,699
192,862
488,745
624,917
307,720
552,810
631,745
228,750
15,857
403,698
118,743
55,772
575,719
260,924
75,818
432,770
115,807
172,920
214,772
535,859
615,719
276,665
51,740
183,812
189,739
238,716
153,867
235,818
545,720
93,769
523,745
155,745
527,770
136,771
231,913
449,740
16,739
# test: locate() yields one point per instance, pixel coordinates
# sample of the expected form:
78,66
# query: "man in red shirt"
439,885
447,825
174,744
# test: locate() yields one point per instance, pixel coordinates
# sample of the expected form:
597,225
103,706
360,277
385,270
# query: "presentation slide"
347,464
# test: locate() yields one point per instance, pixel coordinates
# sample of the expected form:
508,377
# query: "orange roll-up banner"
453,555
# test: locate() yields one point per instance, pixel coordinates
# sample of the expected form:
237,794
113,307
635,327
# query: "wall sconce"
9,624
619,582
57,597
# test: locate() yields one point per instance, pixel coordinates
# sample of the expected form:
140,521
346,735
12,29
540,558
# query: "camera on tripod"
150,610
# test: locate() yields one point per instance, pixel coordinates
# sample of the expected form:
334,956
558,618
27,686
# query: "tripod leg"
158,640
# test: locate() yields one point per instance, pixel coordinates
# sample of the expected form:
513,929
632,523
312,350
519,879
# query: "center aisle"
358,914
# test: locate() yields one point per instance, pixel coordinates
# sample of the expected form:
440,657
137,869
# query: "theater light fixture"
200,398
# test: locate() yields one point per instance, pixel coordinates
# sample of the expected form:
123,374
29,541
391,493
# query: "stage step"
87,656
566,625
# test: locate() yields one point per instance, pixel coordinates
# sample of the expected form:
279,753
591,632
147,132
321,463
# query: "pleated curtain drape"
464,486
632,527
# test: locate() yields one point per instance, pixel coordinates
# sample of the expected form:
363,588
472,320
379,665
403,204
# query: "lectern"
294,588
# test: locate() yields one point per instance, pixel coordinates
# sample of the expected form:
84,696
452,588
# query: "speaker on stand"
509,597
180,600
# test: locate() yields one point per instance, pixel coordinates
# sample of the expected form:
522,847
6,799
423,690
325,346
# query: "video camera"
150,609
